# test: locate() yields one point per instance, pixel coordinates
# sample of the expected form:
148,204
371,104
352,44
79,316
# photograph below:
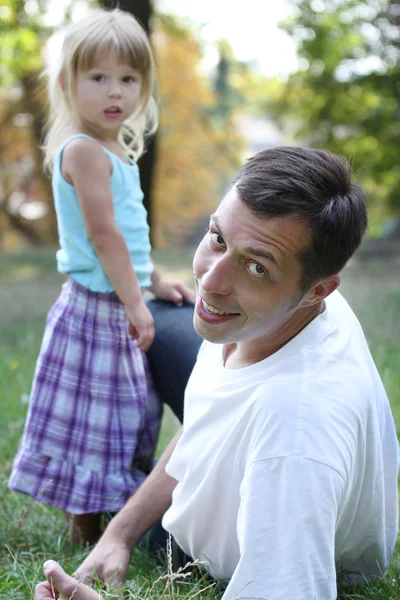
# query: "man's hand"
108,561
173,291
63,586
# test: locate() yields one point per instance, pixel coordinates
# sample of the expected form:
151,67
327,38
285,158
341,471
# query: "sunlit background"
234,78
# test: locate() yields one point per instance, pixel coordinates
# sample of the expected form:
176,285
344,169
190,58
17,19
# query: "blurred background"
235,77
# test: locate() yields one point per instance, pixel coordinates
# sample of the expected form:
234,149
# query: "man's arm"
111,555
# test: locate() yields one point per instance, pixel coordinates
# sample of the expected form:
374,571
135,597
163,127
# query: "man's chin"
210,332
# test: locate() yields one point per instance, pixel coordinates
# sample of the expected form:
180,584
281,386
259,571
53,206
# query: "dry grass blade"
53,592
203,590
181,573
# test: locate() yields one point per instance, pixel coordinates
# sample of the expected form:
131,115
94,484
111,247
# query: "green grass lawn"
30,532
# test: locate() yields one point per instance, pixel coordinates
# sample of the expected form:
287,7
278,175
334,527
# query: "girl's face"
106,95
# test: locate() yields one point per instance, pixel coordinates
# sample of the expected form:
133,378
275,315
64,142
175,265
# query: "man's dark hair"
314,186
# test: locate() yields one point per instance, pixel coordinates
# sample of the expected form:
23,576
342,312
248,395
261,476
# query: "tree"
346,94
143,11
228,97
22,114
179,173
198,153
196,156
20,62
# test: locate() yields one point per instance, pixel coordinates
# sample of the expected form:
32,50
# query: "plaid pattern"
93,416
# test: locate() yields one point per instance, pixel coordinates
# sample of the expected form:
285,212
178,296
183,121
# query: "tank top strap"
60,151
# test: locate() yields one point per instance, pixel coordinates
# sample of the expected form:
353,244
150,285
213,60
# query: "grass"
30,532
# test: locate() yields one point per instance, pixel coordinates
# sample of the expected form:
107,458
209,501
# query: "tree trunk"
33,104
142,10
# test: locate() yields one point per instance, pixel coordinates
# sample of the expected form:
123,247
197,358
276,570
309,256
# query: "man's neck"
243,354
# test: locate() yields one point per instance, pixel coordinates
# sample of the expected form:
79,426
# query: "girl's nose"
115,89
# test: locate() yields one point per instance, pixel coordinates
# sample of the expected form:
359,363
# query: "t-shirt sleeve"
286,531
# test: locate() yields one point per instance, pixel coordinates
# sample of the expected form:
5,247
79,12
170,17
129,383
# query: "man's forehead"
287,232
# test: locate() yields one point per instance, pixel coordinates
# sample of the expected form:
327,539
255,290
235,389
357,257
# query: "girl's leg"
85,528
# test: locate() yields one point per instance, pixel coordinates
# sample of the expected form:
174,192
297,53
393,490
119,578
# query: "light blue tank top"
76,255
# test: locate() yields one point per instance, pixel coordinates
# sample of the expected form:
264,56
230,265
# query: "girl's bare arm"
86,166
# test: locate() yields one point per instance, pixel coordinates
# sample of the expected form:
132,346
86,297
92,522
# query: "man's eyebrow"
254,251
264,254
214,219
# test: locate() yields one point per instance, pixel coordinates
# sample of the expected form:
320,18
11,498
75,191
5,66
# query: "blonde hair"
101,31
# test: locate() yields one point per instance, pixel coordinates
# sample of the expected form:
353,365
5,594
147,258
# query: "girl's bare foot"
85,528
63,586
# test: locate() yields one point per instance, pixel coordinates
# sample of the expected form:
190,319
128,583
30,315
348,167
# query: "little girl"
93,418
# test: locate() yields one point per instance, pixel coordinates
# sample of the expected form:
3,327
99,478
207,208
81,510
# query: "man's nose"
219,276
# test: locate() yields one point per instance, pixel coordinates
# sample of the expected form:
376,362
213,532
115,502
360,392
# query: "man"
285,473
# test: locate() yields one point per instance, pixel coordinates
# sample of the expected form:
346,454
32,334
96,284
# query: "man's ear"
321,290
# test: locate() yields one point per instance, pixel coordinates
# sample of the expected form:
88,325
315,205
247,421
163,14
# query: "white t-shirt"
287,469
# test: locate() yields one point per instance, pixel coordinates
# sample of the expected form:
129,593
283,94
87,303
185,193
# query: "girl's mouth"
112,113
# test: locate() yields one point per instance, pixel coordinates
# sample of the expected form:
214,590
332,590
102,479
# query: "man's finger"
43,591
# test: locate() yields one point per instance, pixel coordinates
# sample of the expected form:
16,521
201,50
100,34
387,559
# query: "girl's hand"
63,586
174,291
141,325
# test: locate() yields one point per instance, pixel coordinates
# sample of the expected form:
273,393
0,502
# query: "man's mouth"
212,309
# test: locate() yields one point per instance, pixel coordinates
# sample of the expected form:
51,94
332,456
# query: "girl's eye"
217,239
128,79
98,78
257,270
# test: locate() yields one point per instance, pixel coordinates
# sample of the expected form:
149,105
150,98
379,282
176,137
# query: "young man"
285,474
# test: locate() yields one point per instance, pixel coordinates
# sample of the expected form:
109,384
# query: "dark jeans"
171,359
173,352
156,541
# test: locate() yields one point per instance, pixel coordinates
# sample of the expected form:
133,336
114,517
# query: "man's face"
247,274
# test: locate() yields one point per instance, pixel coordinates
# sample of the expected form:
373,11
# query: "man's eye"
256,269
217,239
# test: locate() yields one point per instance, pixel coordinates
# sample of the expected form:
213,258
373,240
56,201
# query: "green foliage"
228,96
23,31
345,95
21,35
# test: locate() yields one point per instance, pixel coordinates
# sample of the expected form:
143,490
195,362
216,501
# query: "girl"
93,418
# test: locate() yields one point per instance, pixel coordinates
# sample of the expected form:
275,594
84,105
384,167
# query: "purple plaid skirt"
93,415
